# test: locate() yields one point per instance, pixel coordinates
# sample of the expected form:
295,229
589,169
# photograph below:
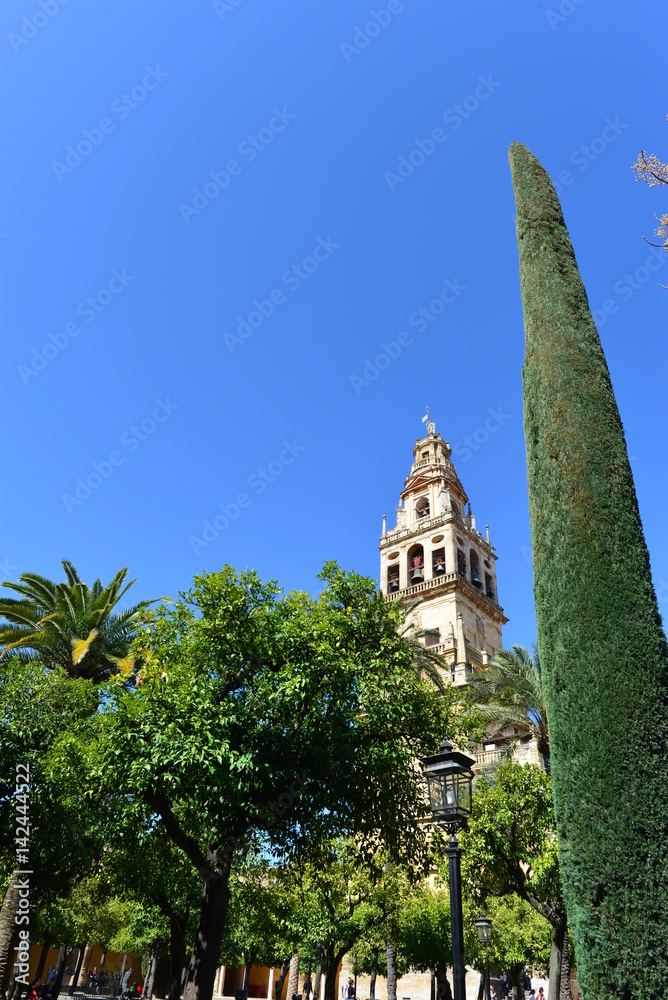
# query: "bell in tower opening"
415,564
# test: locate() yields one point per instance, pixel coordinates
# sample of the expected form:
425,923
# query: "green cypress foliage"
603,652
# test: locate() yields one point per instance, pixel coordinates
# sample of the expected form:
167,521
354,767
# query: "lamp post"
484,926
449,781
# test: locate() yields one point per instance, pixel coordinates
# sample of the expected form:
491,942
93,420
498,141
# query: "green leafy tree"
603,651
509,694
347,900
510,848
257,714
262,927
146,866
519,936
422,934
70,625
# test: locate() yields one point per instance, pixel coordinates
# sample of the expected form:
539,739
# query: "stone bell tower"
435,552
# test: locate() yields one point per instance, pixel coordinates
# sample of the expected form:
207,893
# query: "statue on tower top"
431,426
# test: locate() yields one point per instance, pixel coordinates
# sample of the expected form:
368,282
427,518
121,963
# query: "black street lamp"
484,928
449,781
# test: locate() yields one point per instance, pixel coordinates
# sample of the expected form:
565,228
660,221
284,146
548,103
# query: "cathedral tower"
435,552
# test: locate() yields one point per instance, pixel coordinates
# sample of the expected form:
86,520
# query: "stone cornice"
449,583
428,524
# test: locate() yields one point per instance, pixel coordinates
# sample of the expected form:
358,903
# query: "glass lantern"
449,777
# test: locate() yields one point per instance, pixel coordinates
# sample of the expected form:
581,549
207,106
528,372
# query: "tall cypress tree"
603,651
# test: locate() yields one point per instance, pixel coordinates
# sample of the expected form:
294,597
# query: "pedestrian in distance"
33,989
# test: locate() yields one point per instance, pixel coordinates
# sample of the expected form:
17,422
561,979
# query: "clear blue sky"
302,110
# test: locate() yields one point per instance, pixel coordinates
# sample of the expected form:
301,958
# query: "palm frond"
81,646
70,624
509,694
70,572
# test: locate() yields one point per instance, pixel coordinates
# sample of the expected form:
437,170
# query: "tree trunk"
391,971
330,974
60,972
565,990
178,923
9,931
278,985
206,951
293,978
443,988
248,965
80,958
42,958
318,981
517,979
149,981
161,977
374,973
82,978
117,981
556,955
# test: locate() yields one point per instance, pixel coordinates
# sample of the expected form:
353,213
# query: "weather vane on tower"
431,426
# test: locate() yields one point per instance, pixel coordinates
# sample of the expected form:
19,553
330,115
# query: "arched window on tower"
461,562
422,507
393,577
438,562
415,565
475,569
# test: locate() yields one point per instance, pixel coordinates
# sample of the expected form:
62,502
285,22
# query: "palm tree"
427,664
70,625
509,692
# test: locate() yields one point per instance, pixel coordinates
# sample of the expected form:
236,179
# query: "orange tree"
283,717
